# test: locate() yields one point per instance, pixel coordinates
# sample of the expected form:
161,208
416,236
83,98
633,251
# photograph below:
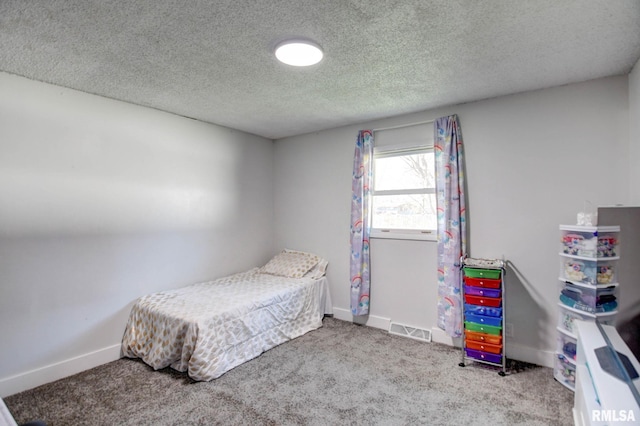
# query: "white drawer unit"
588,289
607,378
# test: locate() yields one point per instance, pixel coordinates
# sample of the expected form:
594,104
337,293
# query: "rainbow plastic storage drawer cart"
483,315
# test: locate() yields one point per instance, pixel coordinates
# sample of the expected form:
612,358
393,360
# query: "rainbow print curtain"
361,223
452,224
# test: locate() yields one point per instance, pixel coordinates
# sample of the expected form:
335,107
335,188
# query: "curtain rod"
403,125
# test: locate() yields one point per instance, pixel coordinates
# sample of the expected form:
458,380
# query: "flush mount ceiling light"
299,53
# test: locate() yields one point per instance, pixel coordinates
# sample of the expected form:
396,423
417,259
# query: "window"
403,195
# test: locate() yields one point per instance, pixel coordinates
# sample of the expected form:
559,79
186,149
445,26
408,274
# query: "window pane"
404,211
411,171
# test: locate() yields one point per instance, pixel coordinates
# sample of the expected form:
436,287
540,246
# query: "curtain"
452,235
361,223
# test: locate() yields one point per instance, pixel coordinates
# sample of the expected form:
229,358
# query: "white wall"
634,134
103,201
532,160
628,219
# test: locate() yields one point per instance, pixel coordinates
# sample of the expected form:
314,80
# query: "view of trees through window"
404,190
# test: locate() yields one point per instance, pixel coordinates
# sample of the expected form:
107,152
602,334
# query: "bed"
206,329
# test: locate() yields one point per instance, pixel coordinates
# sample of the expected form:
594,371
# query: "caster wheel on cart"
461,364
502,373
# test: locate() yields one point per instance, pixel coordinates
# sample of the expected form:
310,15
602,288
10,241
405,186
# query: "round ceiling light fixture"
299,53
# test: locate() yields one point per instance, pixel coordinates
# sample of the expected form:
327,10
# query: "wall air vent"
410,332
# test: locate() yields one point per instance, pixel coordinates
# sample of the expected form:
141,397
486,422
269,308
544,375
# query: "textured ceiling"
213,60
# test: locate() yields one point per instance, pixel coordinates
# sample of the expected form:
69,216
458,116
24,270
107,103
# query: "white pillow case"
317,271
292,264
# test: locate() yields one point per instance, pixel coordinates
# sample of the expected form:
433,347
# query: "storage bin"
586,271
480,291
494,302
565,371
608,245
589,241
566,345
567,317
482,319
589,298
482,310
482,282
483,337
483,356
482,346
481,328
493,274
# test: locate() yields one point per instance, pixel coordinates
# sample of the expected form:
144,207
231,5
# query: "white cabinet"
607,382
588,289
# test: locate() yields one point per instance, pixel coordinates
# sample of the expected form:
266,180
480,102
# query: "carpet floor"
340,374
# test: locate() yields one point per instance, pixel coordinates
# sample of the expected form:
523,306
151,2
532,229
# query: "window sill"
400,235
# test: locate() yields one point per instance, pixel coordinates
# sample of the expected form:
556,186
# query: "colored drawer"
482,282
480,291
484,347
484,356
483,337
482,273
485,320
482,310
481,328
493,302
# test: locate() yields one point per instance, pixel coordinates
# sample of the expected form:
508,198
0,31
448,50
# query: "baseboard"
49,373
438,335
368,320
529,354
342,314
514,350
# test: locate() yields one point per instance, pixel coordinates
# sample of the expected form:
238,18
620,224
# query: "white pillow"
317,271
292,264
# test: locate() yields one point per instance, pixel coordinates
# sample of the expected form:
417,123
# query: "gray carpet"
340,374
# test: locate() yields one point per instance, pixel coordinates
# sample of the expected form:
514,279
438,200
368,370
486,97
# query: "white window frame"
394,233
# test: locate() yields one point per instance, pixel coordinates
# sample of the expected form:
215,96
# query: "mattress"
206,329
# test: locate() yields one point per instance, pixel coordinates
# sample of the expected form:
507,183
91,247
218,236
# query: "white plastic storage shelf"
588,289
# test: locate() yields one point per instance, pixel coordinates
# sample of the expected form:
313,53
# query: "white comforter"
209,328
